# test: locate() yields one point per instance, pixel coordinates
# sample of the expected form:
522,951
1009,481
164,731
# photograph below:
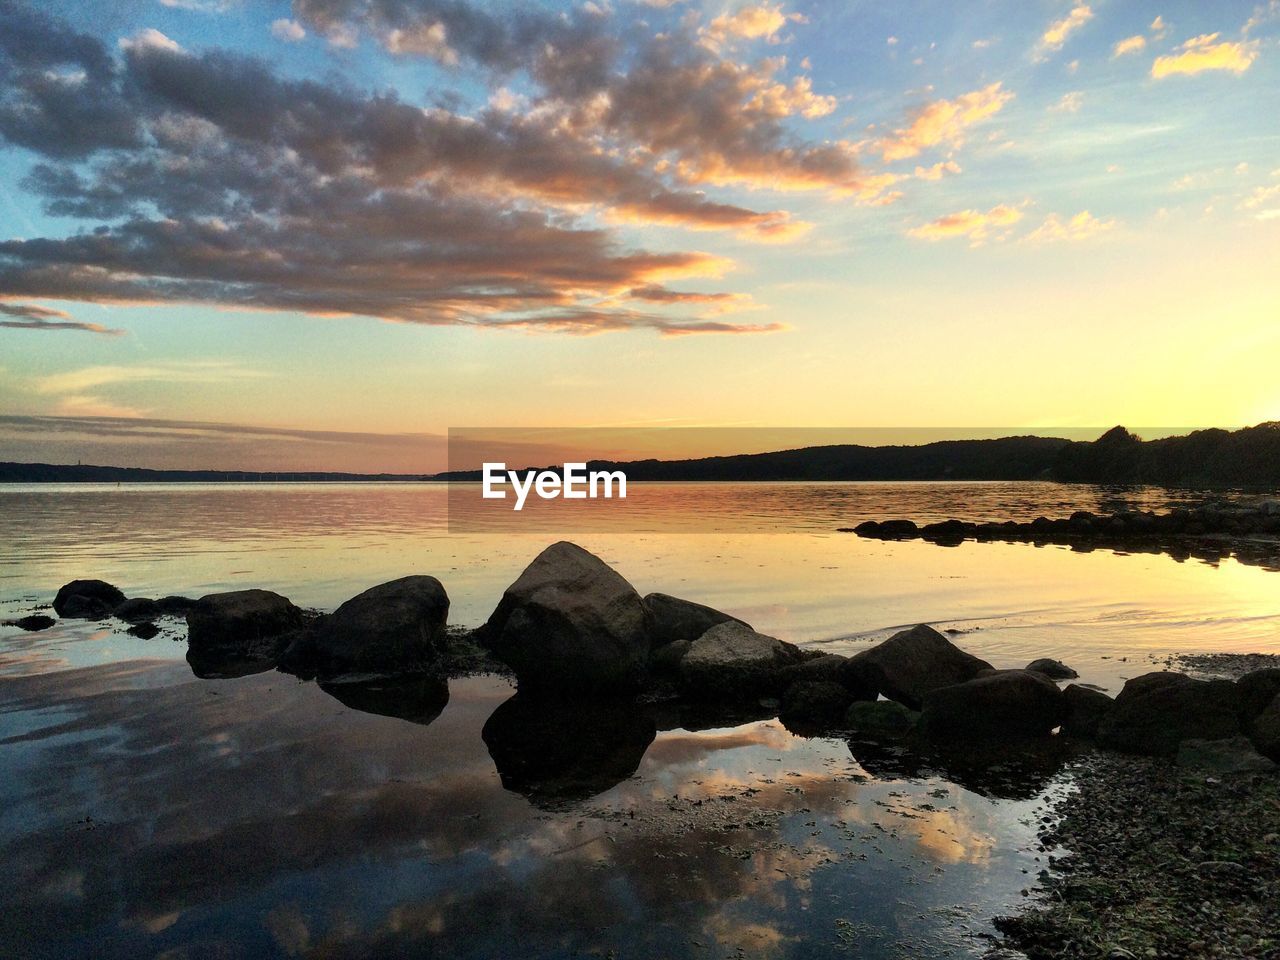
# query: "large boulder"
733,662
1256,690
1005,703
913,662
1264,730
244,624
1053,669
879,719
1086,709
395,627
1157,711
1219,758
138,610
86,599
570,623
812,706
672,619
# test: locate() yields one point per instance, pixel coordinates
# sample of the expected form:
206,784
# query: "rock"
880,719
553,751
571,623
32,623
666,659
1155,712
76,607
1053,669
731,662
1223,757
1085,711
395,627
867,528
137,610
948,531
813,705
911,663
1010,703
245,624
897,529
1264,730
673,619
105,595
1256,690
174,606
824,666
143,631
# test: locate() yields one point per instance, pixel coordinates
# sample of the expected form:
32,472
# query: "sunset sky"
312,235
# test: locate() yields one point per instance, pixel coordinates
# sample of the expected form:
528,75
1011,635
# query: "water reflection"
418,698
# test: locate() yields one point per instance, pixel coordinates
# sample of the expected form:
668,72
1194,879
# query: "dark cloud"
211,179
29,316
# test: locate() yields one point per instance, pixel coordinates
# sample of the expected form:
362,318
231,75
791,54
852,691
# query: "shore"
1155,860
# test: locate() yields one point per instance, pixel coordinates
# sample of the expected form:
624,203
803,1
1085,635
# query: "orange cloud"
1129,45
749,23
1082,226
1058,32
974,224
1203,53
945,122
937,171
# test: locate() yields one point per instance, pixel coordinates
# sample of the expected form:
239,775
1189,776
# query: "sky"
318,234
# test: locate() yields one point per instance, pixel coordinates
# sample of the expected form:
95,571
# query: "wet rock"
1009,703
880,719
32,623
243,624
395,627
673,619
418,698
913,662
1264,730
144,631
666,659
175,606
733,662
1157,711
948,531
895,529
553,751
1086,709
1053,669
137,610
810,706
86,599
1223,757
570,623
1256,690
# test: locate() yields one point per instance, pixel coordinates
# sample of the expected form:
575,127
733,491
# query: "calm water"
144,812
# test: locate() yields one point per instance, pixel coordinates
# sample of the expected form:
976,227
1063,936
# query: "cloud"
196,371
945,122
976,225
1205,53
1082,226
83,405
1132,44
1069,102
1059,31
937,171
749,23
290,31
214,180
29,316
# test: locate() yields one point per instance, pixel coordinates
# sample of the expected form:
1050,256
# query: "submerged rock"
880,719
1234,755
733,662
810,706
1053,669
673,619
1006,703
418,698
395,627
144,631
571,623
1157,711
553,751
913,662
32,623
174,606
137,610
86,599
1086,709
242,625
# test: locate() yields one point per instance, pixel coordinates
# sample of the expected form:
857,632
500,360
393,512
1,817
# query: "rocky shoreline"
1249,531
1176,775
